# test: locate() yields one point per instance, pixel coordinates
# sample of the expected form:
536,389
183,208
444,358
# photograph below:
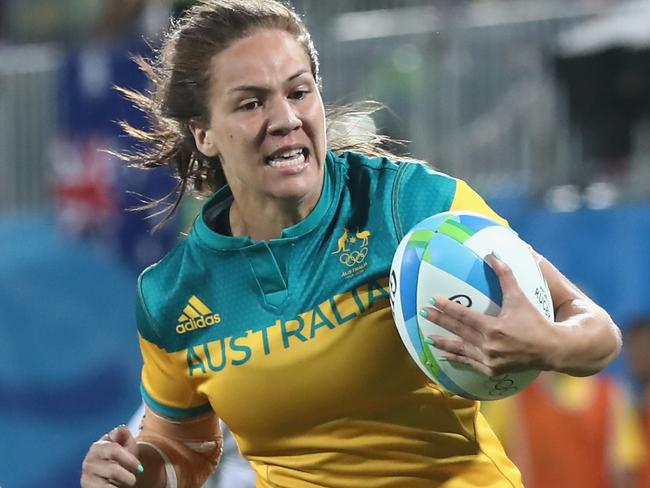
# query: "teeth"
288,158
289,154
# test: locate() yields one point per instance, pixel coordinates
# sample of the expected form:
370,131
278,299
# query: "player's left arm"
585,338
581,340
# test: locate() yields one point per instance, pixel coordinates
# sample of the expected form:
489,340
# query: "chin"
299,190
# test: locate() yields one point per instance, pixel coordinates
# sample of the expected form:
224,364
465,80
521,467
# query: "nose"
283,118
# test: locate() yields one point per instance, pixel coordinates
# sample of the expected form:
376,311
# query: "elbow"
617,343
612,340
598,342
612,345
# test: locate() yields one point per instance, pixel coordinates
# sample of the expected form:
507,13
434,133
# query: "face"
267,122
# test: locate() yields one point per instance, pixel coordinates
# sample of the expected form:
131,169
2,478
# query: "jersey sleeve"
420,192
465,198
166,386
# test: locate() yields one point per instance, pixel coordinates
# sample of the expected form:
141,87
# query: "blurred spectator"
76,21
67,20
567,432
93,190
637,347
603,65
83,187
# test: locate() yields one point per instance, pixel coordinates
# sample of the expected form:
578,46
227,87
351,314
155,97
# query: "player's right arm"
179,443
167,453
116,460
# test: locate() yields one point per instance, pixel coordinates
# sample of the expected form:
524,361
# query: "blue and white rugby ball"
444,255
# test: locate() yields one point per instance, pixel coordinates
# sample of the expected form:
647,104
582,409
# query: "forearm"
181,453
153,475
585,339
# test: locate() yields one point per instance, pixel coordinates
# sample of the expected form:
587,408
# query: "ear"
203,138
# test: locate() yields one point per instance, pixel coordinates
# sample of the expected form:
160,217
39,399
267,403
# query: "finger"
456,347
113,451
113,474
471,362
122,436
128,461
458,312
463,353
106,465
454,326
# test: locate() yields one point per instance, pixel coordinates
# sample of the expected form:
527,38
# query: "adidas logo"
196,315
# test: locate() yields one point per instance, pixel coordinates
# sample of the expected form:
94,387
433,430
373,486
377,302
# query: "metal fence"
28,102
471,88
470,84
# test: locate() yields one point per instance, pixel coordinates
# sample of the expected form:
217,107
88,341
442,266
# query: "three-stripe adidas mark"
196,315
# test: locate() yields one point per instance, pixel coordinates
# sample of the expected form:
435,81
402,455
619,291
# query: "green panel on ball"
427,357
455,230
420,238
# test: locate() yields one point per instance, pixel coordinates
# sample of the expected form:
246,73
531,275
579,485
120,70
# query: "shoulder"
359,168
151,279
419,192
351,162
156,287
424,178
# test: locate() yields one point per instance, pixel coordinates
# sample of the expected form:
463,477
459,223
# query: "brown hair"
180,77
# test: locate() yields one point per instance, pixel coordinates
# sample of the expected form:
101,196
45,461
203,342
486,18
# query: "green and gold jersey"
292,343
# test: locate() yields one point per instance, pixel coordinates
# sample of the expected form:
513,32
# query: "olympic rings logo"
503,385
353,258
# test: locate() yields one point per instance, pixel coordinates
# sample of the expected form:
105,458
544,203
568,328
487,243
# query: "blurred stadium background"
543,107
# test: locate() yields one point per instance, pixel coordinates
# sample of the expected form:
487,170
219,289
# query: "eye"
248,105
298,94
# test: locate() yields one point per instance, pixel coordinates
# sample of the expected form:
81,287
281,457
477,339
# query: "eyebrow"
257,88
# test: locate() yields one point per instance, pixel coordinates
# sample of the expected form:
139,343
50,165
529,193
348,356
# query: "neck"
265,222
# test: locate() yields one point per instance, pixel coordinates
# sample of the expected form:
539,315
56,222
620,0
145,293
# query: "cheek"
232,142
317,124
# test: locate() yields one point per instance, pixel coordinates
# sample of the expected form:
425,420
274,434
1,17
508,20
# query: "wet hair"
179,73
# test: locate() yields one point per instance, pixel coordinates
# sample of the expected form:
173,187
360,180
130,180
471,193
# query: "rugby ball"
445,255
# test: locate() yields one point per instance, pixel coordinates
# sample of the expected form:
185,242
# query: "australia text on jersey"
332,313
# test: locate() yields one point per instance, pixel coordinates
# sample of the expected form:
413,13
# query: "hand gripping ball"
445,255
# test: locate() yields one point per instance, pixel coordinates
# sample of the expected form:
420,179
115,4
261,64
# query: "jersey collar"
222,197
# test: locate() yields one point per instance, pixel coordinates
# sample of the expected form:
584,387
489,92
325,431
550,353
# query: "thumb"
122,436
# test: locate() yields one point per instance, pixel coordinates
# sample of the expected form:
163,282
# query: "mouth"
288,158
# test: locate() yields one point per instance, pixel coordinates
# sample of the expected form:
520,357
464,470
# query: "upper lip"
285,149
